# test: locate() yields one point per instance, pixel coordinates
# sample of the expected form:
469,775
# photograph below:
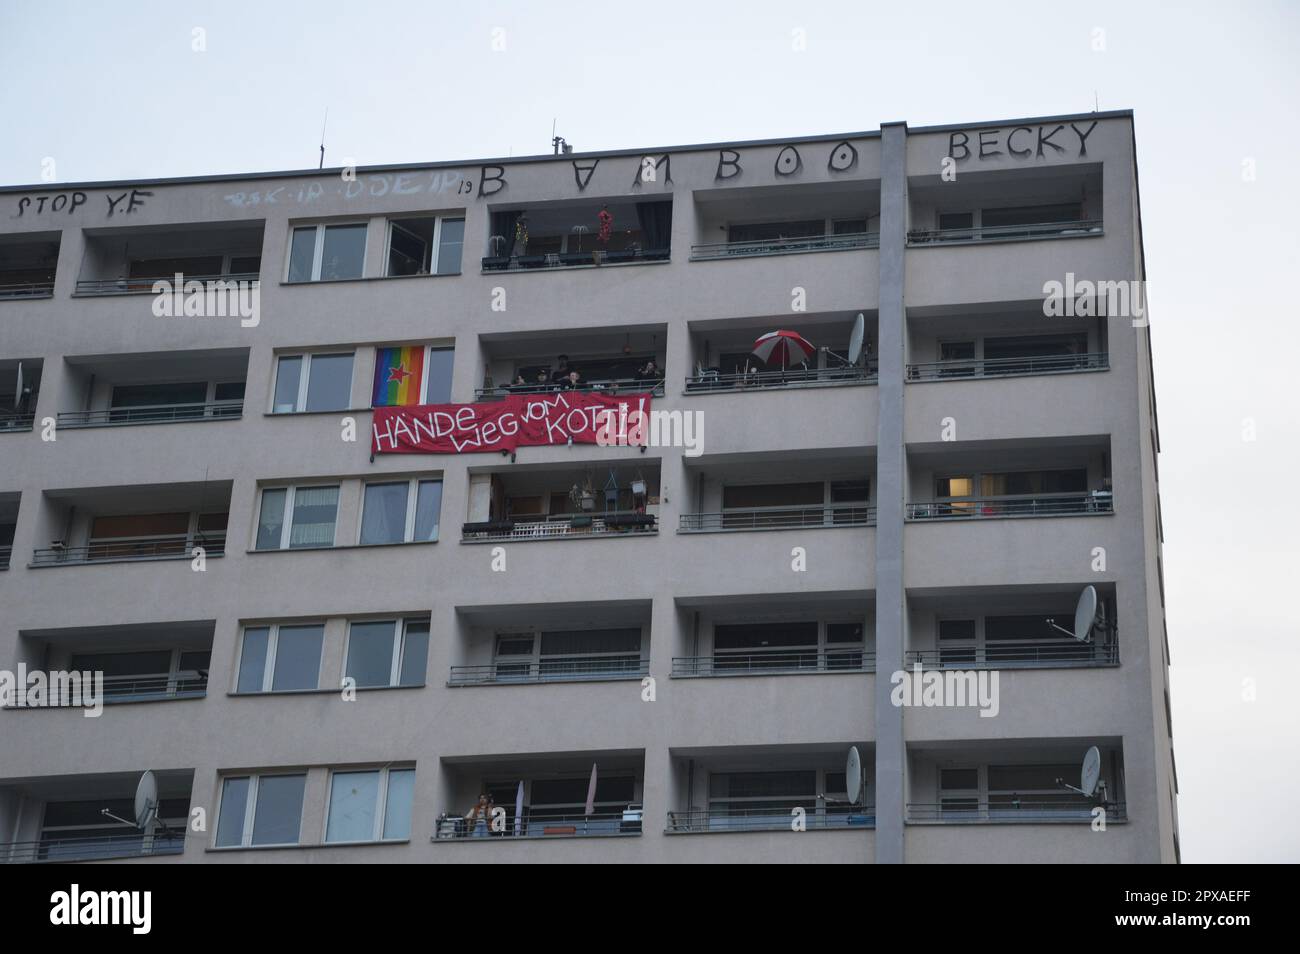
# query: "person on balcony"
649,371
572,383
480,816
561,372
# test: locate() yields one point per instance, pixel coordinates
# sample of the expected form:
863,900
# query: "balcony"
769,819
781,244
71,818
786,220
1012,809
1029,231
1007,367
779,518
551,235
533,797
128,261
169,547
1013,505
774,662
8,525
607,360
28,262
18,410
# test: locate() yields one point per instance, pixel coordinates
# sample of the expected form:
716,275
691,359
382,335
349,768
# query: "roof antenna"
558,145
322,138
1094,101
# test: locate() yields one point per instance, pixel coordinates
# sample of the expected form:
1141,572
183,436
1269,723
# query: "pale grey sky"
116,90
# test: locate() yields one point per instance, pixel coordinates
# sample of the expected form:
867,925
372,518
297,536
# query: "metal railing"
714,380
93,847
1007,367
1020,655
1012,505
145,687
139,285
152,414
11,290
776,661
175,547
1010,808
784,246
16,422
780,518
544,824
1003,233
846,817
526,263
6,552
555,669
621,386
603,524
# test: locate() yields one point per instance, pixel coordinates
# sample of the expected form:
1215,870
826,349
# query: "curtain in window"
656,220
314,510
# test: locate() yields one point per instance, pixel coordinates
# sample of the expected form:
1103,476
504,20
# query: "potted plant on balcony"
584,495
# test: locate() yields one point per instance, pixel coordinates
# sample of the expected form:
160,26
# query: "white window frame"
318,251
250,810
412,499
304,377
381,804
435,243
401,624
290,501
272,647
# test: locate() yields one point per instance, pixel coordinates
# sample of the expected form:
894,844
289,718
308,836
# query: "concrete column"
891,484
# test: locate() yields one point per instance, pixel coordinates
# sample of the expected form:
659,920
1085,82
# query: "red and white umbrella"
790,346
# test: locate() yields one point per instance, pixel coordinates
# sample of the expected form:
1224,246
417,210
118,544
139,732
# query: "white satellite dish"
853,775
1085,615
18,390
146,801
856,339
1091,772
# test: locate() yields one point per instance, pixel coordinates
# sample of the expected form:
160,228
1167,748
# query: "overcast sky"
117,90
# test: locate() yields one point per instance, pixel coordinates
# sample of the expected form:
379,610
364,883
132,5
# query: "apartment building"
658,651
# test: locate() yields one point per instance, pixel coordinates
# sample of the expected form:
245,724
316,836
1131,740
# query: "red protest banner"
520,420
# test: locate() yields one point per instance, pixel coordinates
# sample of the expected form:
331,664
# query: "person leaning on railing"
478,820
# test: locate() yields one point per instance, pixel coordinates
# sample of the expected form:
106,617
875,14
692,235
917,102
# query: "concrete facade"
915,422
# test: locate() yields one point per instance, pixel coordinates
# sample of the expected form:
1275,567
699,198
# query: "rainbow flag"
398,375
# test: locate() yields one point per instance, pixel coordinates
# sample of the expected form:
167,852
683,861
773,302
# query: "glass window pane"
287,375
428,503
415,654
297,657
450,244
314,512
302,254
354,799
270,525
383,517
234,803
252,661
438,374
329,383
345,252
370,653
401,796
277,820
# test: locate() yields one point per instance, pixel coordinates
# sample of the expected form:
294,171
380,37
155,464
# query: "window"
280,658
147,674
388,652
260,810
956,641
848,226
401,512
569,654
425,246
412,374
327,252
756,795
844,644
765,646
956,220
313,382
959,790
297,517
1030,215
372,805
776,231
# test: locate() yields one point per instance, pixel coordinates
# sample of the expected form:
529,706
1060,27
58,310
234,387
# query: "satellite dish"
18,390
855,340
1091,772
1084,613
146,801
853,775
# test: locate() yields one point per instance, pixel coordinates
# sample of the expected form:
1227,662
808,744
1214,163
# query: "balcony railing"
152,414
555,669
146,687
780,518
771,819
1025,655
775,662
93,848
1013,505
144,286
1007,367
527,263
136,548
16,422
785,246
1012,809
564,526
1006,233
609,386
10,290
6,552
546,824
712,380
